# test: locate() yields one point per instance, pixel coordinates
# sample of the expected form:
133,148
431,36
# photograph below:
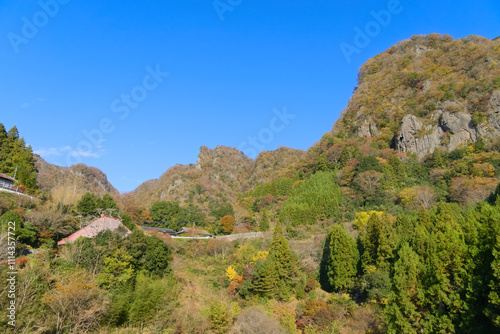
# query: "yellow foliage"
408,195
259,256
370,269
231,273
362,219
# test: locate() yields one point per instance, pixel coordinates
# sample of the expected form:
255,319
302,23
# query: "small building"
7,181
159,229
105,223
194,232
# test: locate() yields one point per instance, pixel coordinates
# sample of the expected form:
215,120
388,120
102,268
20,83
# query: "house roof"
159,229
90,231
7,177
194,231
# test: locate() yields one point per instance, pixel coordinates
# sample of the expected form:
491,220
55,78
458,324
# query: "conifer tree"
378,242
264,222
402,312
339,263
265,279
285,263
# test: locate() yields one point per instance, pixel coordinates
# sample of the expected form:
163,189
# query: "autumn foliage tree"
227,223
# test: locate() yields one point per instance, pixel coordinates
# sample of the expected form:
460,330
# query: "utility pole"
15,172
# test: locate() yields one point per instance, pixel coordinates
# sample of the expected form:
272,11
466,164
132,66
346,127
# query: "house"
194,232
105,223
159,229
7,181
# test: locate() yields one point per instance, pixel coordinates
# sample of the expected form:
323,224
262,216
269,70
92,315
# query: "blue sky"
150,82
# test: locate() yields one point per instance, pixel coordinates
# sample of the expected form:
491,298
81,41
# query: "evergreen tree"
339,262
285,263
264,222
437,159
378,242
402,312
265,279
14,153
479,145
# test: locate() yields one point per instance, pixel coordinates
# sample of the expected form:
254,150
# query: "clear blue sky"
226,76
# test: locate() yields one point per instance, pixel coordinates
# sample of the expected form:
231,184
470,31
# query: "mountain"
426,93
222,172
77,179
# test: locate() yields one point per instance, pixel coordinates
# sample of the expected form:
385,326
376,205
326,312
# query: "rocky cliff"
426,93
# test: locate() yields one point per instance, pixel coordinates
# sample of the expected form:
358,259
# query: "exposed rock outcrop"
451,131
494,113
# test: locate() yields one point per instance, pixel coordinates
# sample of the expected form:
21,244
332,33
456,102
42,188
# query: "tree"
437,159
220,210
378,242
77,302
108,205
88,204
117,270
285,262
14,153
479,145
227,223
164,211
265,279
338,266
369,183
402,311
149,253
264,222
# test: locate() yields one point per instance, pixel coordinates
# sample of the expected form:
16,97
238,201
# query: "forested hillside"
15,153
389,224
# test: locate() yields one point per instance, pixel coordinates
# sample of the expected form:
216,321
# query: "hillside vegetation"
389,224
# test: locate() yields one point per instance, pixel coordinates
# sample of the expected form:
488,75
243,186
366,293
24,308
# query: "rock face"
414,137
368,129
451,131
494,113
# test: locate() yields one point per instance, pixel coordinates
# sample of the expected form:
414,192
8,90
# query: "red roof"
90,231
7,177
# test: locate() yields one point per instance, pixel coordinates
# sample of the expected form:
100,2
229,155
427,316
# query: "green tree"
148,253
378,242
264,222
338,266
108,205
164,211
479,145
88,204
402,312
285,262
265,279
437,159
117,270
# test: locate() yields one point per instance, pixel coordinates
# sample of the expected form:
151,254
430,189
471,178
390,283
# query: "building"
105,223
7,181
189,231
159,229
